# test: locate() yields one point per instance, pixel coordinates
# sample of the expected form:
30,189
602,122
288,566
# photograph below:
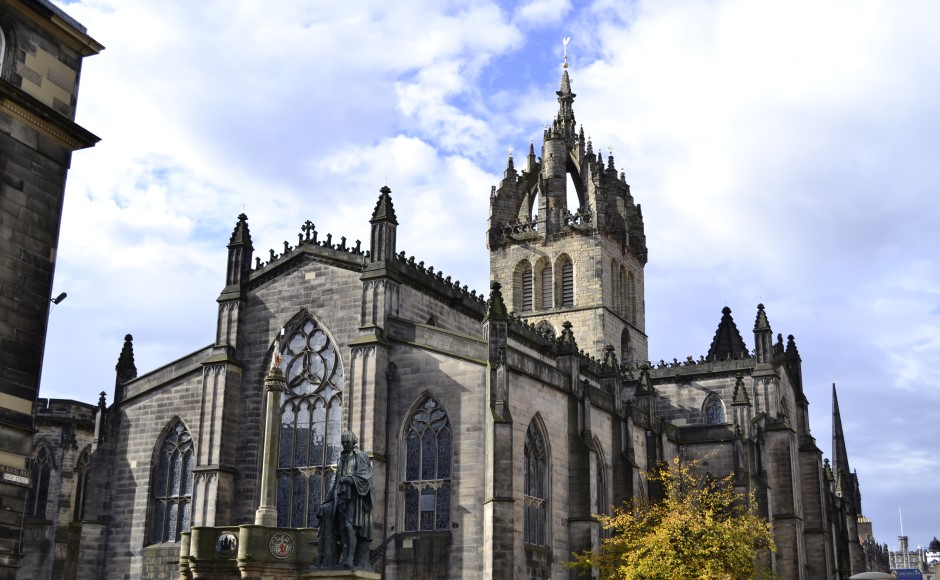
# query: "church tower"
566,240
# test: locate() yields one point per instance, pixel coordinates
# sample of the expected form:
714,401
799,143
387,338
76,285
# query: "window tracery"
428,458
172,489
40,470
714,410
81,479
535,487
311,425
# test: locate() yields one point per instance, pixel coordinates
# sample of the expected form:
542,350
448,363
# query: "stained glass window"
311,422
172,491
535,487
428,457
40,468
714,410
81,478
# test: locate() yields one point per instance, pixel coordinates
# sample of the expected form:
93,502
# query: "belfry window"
172,491
567,282
546,286
714,410
527,289
40,470
311,424
428,457
535,487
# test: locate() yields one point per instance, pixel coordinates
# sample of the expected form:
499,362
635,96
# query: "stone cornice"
30,111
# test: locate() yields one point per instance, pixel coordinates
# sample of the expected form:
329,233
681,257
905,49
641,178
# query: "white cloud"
784,154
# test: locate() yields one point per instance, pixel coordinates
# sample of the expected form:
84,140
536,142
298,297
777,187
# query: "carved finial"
565,42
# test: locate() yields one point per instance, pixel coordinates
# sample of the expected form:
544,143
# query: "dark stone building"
498,425
41,52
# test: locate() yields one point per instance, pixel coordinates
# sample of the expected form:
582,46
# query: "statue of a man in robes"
347,509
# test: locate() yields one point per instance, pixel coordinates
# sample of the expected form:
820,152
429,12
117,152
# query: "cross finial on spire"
510,150
565,42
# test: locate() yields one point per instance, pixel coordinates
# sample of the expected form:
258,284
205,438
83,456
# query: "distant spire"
840,458
125,368
727,342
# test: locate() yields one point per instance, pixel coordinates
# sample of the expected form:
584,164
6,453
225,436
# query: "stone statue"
346,513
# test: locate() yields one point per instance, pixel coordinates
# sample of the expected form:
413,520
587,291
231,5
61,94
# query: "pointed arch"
522,287
40,472
171,483
564,281
3,45
615,285
536,484
631,298
542,283
626,347
600,482
81,480
713,410
311,421
427,442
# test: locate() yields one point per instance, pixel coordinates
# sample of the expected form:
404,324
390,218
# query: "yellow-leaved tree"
701,529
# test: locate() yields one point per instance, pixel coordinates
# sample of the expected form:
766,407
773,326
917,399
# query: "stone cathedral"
497,425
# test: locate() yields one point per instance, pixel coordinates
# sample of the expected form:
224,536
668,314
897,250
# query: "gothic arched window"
311,425
535,487
172,489
626,349
428,457
631,298
566,286
714,410
603,504
543,284
81,478
3,45
40,470
522,291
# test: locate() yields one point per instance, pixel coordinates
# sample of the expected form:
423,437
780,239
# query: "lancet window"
566,287
535,487
172,488
81,479
40,470
428,459
545,276
527,289
311,424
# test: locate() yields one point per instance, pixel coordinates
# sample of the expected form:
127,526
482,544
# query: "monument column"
274,385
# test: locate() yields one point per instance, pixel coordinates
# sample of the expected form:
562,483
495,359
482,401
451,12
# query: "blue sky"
783,153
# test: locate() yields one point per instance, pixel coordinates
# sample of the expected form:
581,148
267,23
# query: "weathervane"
565,43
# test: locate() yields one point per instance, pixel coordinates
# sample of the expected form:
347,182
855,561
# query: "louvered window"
567,284
546,287
527,289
